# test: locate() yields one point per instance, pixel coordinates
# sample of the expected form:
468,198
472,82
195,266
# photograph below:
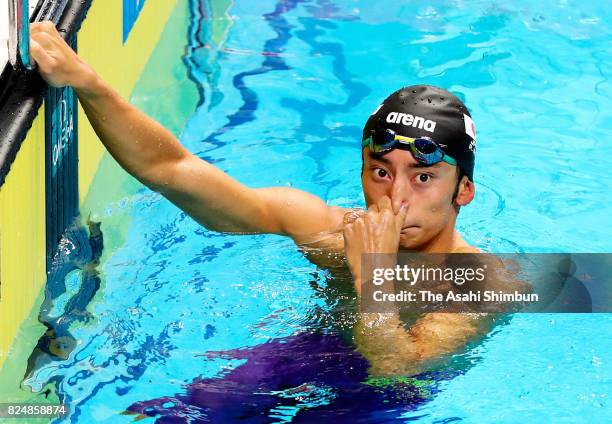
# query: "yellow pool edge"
22,235
120,65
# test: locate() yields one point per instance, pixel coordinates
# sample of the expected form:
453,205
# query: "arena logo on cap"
411,120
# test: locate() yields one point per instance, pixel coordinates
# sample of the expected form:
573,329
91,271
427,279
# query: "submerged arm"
392,350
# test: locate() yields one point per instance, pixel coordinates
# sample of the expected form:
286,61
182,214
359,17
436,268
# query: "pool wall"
40,181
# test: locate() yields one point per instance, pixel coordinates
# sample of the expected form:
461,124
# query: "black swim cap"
424,110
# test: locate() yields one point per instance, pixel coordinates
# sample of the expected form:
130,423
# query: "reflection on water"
72,283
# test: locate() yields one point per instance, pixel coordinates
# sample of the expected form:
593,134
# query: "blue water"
284,97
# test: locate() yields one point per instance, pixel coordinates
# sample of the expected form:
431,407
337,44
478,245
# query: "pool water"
207,327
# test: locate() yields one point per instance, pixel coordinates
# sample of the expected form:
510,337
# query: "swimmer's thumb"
401,215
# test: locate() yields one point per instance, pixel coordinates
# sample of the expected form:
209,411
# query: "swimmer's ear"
466,192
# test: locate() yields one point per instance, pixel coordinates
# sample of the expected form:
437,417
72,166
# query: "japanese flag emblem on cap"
470,128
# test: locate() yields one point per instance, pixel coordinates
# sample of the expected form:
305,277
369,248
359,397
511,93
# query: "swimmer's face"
426,190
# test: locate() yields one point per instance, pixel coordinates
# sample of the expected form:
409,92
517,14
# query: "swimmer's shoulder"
466,249
328,230
326,248
462,246
330,239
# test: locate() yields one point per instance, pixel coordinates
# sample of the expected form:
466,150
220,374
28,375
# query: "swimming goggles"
424,149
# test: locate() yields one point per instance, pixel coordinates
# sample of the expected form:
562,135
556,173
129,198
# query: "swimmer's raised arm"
149,152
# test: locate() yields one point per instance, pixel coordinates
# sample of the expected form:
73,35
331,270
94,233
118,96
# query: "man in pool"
418,160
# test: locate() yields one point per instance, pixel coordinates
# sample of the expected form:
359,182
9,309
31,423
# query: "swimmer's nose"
400,194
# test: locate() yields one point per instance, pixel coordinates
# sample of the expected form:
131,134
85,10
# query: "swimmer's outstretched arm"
149,152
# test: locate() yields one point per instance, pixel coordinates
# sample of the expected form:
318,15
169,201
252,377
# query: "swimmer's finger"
52,43
41,57
45,26
48,37
401,216
385,204
353,215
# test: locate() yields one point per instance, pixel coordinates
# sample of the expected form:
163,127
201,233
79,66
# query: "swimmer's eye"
423,178
380,173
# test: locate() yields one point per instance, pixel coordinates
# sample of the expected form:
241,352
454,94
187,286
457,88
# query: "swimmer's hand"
57,63
377,231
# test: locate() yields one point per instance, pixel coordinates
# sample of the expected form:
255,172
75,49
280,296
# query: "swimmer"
417,158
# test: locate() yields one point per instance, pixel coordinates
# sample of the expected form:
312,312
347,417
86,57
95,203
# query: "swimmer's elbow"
158,178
